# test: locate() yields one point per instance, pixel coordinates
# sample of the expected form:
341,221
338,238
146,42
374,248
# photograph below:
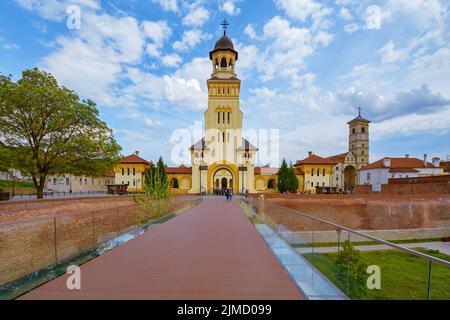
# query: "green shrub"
351,268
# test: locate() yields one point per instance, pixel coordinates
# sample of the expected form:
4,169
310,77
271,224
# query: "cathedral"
224,159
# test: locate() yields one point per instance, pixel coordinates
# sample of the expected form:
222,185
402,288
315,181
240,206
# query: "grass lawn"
403,276
365,243
20,187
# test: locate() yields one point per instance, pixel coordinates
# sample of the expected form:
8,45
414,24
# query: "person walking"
230,196
227,194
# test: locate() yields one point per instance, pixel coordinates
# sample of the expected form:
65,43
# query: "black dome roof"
224,43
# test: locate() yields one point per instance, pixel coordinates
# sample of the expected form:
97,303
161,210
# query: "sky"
305,65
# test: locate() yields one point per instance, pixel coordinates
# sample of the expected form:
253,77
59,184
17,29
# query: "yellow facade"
314,175
132,174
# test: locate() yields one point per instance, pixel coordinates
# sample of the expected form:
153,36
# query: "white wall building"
68,183
379,172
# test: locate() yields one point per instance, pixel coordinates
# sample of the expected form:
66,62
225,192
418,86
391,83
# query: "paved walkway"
210,252
443,247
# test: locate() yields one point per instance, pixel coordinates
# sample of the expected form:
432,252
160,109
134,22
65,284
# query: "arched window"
128,171
363,130
223,116
324,172
354,130
312,172
229,118
174,183
123,172
218,117
271,184
223,136
223,63
134,171
318,172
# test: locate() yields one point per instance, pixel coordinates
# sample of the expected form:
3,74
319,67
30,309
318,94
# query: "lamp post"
13,183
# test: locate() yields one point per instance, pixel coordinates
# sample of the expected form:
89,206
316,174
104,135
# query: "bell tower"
223,159
224,118
359,139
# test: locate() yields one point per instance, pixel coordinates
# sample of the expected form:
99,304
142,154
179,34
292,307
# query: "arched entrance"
349,175
223,180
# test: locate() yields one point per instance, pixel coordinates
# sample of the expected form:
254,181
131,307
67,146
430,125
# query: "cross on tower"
359,109
225,25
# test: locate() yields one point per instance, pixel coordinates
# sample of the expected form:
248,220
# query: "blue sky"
305,65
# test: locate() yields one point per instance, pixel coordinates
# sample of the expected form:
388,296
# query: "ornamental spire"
225,25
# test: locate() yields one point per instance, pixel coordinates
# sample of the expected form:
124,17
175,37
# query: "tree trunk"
39,185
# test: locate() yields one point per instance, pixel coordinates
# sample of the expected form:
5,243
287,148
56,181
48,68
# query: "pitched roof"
359,118
339,158
314,159
404,170
200,145
110,174
247,145
399,163
179,170
133,159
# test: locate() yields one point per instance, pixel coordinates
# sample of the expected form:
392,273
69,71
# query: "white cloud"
8,45
303,10
229,6
56,9
168,5
158,31
250,31
172,60
197,17
190,39
404,125
351,27
388,53
345,14
323,38
288,50
152,123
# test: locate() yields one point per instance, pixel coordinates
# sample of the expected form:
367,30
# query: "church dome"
224,44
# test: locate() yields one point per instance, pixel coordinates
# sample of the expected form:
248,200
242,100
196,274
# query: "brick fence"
439,185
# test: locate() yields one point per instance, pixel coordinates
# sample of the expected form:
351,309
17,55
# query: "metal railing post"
430,266
55,241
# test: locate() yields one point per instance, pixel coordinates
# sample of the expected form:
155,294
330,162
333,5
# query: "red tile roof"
446,165
399,163
133,159
339,158
404,170
180,170
313,159
110,174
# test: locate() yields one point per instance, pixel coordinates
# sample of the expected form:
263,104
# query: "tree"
156,183
287,179
48,130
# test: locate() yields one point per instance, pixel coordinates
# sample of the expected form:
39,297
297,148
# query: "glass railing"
361,266
35,251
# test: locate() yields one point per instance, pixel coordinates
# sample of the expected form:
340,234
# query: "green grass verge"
9,184
403,276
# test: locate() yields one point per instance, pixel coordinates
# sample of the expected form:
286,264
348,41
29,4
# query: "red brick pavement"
210,252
